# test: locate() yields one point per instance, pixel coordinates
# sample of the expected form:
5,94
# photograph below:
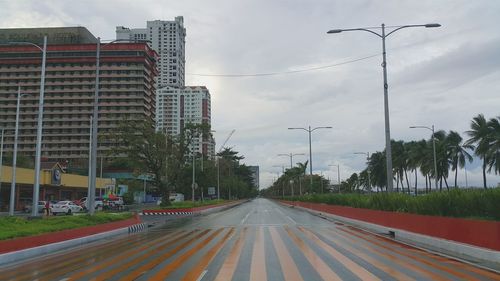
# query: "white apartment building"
179,106
168,39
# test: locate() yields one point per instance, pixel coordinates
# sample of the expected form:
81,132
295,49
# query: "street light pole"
388,152
291,157
368,167
433,151
1,160
14,155
338,173
309,130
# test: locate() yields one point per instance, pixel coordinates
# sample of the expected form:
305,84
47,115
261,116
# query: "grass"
190,204
477,204
13,227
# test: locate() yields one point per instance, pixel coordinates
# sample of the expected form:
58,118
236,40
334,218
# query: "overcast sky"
442,76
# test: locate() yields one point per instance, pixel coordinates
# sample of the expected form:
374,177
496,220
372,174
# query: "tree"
480,135
459,153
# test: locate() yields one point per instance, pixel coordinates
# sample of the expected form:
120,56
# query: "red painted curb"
22,243
485,234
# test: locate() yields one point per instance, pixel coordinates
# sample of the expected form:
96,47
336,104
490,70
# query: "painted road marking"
171,267
202,275
359,271
207,258
414,257
318,263
288,266
245,218
258,270
228,268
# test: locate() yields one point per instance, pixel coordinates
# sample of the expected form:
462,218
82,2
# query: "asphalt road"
260,240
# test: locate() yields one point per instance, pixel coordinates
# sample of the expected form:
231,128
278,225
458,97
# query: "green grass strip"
13,227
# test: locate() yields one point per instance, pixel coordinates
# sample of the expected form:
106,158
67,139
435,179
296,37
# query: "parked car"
40,206
83,203
65,207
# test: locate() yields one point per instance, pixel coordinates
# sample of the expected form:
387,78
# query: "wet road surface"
259,240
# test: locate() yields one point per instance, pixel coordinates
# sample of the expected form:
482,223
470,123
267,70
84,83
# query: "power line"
283,72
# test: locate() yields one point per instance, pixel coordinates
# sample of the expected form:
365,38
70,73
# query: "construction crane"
227,139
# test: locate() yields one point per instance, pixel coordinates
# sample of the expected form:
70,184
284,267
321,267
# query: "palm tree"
494,153
480,134
458,151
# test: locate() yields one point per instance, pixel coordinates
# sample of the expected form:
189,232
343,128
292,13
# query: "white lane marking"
202,275
245,218
281,212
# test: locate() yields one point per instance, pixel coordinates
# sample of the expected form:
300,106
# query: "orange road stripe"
480,271
429,274
141,270
59,260
168,269
79,262
169,240
376,263
288,266
413,257
197,270
359,271
226,272
258,270
317,263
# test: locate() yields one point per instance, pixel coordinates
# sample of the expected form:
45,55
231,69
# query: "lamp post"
368,167
95,121
338,173
1,159
38,149
14,155
283,171
291,157
433,151
309,130
383,36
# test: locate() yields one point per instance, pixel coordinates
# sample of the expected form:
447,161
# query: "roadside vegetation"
13,227
476,204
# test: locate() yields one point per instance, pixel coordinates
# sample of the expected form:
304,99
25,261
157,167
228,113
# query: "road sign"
211,191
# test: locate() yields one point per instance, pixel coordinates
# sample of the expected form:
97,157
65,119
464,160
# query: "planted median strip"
13,227
475,204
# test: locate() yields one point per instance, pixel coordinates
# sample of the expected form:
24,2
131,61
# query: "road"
259,240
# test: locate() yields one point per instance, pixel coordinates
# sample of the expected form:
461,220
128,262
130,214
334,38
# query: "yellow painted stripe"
227,269
59,261
144,268
371,260
359,271
197,270
317,263
117,258
258,270
171,267
288,266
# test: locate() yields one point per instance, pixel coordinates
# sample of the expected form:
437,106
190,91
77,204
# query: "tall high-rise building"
176,104
168,39
127,89
177,107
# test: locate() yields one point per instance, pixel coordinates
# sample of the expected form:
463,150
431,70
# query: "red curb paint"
485,234
23,243
194,210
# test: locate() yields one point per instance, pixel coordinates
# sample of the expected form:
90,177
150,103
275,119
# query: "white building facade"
179,106
168,39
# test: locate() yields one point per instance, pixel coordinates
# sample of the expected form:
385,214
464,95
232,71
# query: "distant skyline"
442,76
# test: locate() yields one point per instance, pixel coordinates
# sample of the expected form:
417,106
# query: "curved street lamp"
368,170
433,149
388,152
309,130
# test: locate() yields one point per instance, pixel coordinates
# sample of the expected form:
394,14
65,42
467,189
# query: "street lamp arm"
414,25
321,128
353,29
420,127
299,129
26,43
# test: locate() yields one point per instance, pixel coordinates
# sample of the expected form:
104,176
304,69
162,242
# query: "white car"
65,207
